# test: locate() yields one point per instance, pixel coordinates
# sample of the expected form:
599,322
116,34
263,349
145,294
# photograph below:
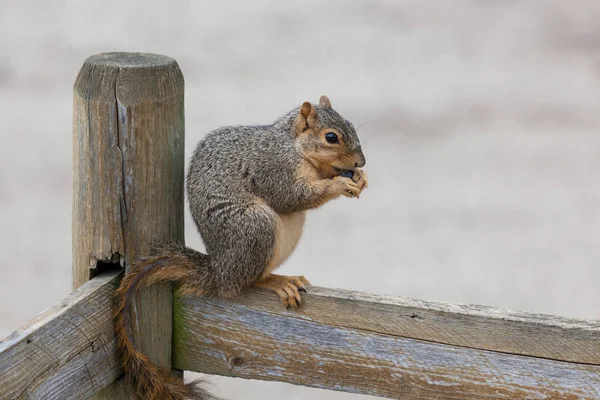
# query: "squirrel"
248,188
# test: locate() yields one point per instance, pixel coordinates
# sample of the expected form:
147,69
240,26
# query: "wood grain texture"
388,346
128,152
474,326
66,352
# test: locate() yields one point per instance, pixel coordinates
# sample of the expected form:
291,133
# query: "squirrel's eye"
331,137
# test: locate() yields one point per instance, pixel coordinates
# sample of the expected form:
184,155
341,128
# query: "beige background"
479,121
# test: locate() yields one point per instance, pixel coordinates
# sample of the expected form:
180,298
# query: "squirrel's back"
226,162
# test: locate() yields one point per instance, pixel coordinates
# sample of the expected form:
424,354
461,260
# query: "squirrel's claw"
347,187
288,288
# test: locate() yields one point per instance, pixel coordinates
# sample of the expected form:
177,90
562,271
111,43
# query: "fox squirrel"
248,188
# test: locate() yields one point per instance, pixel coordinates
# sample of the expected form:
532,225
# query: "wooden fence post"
128,152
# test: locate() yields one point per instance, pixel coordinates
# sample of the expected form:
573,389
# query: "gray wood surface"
128,152
66,352
389,346
339,340
474,326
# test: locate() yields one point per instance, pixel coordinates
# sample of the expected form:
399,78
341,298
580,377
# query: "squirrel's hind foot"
288,288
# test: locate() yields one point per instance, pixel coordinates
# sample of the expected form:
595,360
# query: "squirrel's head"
327,140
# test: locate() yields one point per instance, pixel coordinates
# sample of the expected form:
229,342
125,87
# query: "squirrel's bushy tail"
177,264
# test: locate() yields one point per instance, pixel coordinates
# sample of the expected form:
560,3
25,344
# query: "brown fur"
147,380
327,188
331,156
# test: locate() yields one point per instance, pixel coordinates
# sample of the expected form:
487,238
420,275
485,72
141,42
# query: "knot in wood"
235,361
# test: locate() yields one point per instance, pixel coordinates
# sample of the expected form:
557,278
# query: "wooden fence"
128,192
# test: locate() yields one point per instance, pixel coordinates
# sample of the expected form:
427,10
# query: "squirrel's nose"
360,159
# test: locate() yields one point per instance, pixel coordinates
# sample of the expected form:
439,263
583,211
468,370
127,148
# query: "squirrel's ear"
306,118
324,101
306,110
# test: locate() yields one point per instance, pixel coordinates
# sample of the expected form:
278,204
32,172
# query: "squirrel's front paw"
288,288
347,186
360,178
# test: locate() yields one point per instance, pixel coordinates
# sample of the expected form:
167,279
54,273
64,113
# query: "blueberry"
347,173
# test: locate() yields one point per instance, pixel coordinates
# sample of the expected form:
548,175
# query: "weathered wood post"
128,152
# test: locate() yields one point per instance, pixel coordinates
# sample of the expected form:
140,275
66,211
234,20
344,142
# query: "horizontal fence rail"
389,346
68,351
341,340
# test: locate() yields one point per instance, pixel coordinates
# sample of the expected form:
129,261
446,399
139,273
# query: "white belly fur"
289,230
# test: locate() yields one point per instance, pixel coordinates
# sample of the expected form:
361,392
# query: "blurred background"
479,121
